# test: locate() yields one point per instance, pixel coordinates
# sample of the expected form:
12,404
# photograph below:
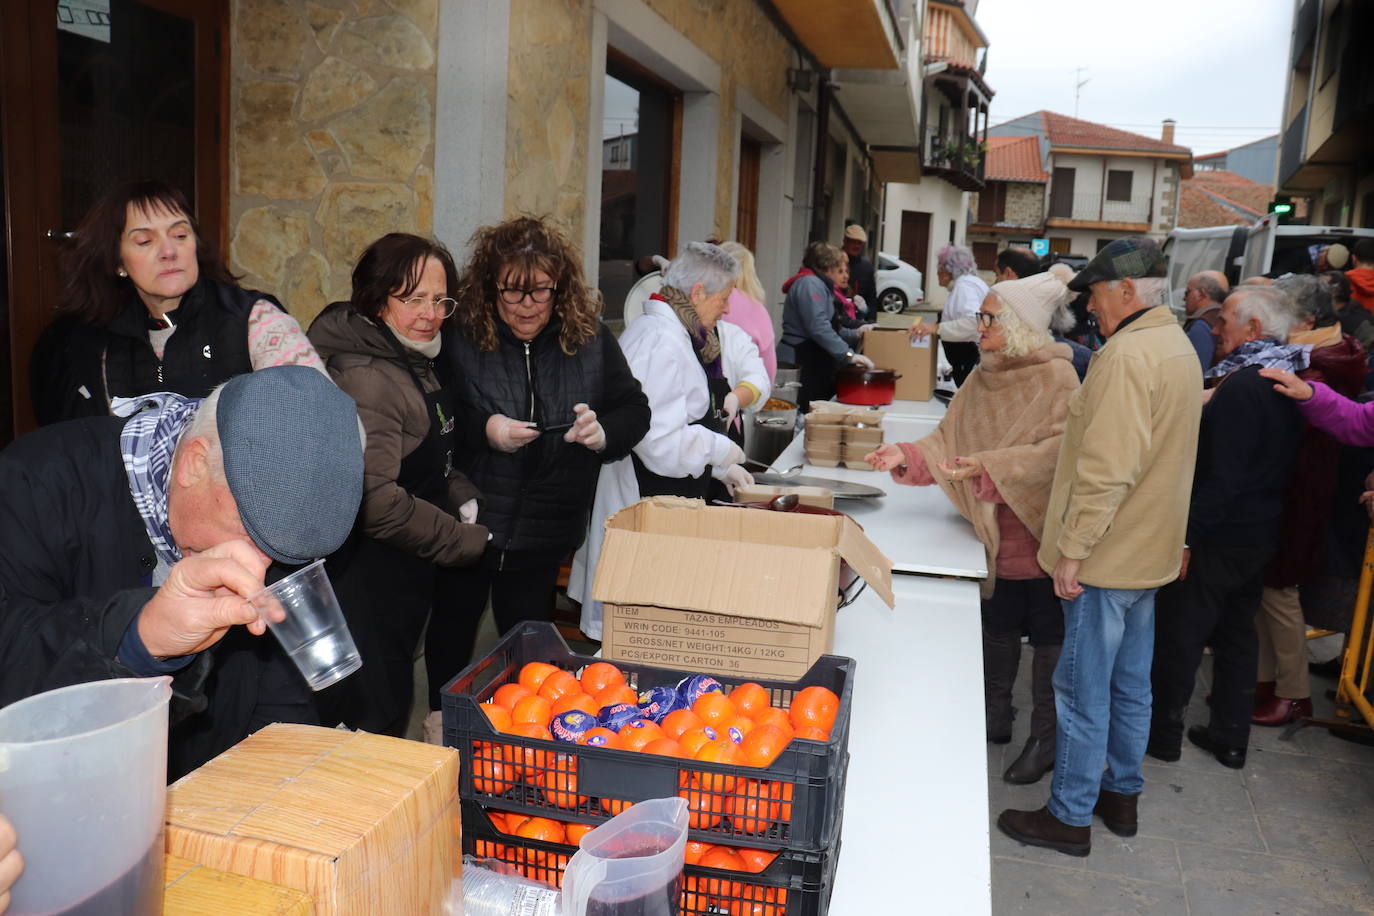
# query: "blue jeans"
1102,696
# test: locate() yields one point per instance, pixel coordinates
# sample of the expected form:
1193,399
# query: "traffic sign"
1040,247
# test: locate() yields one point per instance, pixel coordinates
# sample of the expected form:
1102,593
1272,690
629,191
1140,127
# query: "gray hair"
1308,296
1021,338
956,260
704,263
1266,305
204,425
1149,291
1208,285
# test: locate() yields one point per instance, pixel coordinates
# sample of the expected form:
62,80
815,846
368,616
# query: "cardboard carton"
808,496
717,589
363,824
915,361
194,890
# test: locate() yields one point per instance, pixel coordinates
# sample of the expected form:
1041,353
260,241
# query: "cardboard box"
820,497
892,348
716,589
363,824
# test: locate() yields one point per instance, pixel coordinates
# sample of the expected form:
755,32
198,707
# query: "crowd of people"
1188,486
452,435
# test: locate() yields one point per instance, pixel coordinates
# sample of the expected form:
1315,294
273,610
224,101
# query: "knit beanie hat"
1036,298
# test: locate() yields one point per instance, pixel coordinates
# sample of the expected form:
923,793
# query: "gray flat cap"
293,460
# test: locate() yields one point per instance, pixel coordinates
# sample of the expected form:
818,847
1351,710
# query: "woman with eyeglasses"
417,513
994,455
545,399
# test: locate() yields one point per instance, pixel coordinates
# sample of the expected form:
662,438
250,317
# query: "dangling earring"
122,272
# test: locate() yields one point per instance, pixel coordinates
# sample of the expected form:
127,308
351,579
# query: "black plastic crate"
793,884
796,803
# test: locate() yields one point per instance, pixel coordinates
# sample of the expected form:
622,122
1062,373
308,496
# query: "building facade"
1010,210
1326,147
1103,183
304,129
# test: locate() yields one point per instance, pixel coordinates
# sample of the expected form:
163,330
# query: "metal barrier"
1352,688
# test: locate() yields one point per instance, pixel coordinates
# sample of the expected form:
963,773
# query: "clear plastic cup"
314,633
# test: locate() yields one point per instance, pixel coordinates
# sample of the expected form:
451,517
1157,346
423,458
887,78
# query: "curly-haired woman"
544,399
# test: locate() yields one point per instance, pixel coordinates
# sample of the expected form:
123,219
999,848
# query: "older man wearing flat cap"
1113,535
126,547
862,279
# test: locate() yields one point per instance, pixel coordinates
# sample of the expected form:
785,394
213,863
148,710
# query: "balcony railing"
1091,207
957,159
1291,150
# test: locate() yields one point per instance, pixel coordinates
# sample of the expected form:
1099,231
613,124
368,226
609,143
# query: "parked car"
899,283
1267,248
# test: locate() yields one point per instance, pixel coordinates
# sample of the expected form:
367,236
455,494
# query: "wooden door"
92,98
1061,193
747,210
915,245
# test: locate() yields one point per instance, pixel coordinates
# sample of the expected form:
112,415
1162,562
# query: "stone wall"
1025,203
331,138
548,83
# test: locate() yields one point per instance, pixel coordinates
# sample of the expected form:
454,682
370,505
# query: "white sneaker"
433,728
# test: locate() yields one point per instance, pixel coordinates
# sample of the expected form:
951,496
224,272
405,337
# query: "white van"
1267,247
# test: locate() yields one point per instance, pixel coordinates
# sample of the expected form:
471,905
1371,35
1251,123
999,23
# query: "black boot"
1001,654
1037,757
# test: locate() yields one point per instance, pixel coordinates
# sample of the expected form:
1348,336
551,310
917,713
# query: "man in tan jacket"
1114,534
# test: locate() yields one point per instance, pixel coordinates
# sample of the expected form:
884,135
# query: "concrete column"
696,211
470,118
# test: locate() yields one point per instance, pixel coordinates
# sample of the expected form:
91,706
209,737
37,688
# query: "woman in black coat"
544,399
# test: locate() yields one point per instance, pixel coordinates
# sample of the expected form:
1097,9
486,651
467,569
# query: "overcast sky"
1217,67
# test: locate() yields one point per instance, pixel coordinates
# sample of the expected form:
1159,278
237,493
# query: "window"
1119,184
952,225
1103,243
985,255
886,264
1061,246
747,209
1334,44
1061,193
638,175
992,203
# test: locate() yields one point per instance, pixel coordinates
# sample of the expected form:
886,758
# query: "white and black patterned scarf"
1265,352
147,444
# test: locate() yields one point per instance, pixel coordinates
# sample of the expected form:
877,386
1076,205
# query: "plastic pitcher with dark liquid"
631,865
83,779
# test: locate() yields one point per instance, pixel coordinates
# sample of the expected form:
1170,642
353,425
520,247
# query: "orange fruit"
532,709
614,806
694,740
533,675
635,735
575,832
736,728
722,750
542,828
763,745
757,900
607,737
665,746
597,676
715,709
557,684
492,776
706,810
498,716
782,791
811,733
570,701
613,694
726,858
775,717
756,860
528,762
695,848
679,721
814,706
750,699
507,694
559,783
498,820
751,809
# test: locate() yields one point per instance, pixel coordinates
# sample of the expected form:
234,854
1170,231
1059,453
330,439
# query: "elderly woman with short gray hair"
674,350
994,455
958,272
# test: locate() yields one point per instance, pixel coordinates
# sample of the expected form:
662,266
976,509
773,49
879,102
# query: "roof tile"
1063,130
1013,159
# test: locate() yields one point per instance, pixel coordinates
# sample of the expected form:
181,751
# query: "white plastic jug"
631,865
83,778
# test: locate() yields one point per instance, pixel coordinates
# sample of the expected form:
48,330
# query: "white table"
934,409
915,834
917,527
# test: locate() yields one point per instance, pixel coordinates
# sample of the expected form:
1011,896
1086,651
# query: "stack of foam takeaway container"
788,813
840,434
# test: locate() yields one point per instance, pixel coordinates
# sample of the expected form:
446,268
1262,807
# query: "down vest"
538,498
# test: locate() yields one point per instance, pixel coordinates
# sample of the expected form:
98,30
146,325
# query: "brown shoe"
1040,828
1118,812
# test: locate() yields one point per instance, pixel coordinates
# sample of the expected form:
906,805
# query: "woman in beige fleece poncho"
994,454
